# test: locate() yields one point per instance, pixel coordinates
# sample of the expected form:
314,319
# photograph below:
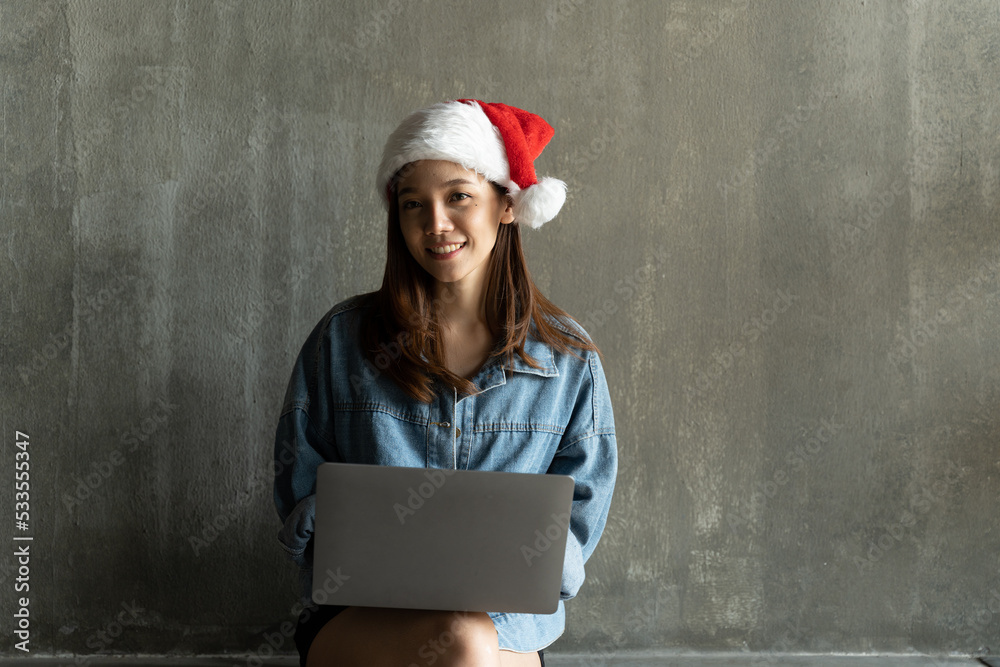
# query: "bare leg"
382,637
512,659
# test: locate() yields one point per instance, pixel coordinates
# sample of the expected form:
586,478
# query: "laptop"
431,538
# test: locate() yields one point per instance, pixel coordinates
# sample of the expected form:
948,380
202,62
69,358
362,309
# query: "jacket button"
445,424
458,432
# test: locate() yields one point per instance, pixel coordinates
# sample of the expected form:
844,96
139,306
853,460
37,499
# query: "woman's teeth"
443,250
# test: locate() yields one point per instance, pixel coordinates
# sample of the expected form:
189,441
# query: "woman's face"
449,216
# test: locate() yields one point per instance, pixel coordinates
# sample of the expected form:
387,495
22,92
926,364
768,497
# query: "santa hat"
498,141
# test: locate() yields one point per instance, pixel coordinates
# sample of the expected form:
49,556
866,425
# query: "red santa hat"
500,142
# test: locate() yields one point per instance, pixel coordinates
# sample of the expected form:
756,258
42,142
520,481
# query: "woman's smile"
446,251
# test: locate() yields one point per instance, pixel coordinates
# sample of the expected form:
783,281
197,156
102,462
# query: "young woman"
458,361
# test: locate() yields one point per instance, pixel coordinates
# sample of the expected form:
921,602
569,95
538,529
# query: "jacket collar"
541,353
494,373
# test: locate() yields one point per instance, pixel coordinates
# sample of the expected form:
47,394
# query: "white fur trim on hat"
452,131
462,133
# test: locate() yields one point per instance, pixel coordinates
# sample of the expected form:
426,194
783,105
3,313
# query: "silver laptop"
428,538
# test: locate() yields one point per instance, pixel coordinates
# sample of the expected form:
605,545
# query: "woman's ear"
507,216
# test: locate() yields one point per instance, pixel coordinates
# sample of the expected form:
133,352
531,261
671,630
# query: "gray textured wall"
782,230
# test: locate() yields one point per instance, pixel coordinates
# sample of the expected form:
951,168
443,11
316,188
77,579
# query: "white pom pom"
540,203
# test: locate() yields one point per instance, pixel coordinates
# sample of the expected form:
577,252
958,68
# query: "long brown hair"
401,333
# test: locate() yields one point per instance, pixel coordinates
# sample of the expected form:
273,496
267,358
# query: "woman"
458,361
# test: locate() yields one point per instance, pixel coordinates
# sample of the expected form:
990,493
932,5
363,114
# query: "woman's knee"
460,638
420,638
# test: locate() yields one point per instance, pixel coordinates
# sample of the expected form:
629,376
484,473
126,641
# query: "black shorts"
312,621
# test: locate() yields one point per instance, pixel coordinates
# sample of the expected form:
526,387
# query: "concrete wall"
782,230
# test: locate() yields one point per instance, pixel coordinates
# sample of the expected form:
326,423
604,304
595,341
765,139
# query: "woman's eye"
407,205
462,195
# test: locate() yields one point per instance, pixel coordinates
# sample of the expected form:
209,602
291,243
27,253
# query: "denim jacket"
554,419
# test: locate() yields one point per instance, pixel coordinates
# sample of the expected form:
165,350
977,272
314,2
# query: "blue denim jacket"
556,419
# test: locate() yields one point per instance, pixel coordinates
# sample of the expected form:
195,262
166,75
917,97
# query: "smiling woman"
449,216
476,370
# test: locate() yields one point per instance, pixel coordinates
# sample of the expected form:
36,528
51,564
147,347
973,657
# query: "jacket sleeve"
303,440
589,453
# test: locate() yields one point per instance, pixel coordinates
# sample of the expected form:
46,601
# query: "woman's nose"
436,219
